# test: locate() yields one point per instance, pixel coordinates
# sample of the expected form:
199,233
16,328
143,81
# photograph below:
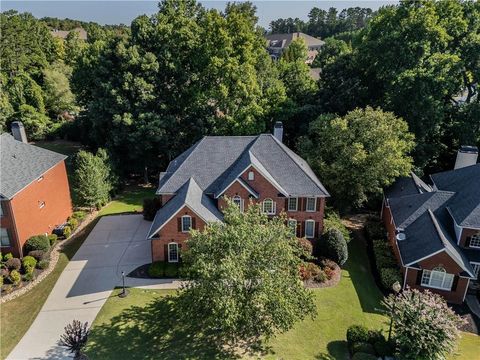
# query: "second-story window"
268,207
311,204
475,241
237,200
251,175
292,204
186,223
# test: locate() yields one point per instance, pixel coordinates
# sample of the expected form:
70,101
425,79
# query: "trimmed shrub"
37,254
29,276
14,277
383,254
52,238
375,336
79,215
4,270
73,223
363,356
37,242
43,264
67,231
13,264
333,221
329,273
8,257
171,270
383,348
334,246
375,230
309,270
321,277
306,245
388,276
357,333
156,269
150,208
29,262
363,347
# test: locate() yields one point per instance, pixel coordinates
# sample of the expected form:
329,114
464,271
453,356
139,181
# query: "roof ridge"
431,193
284,147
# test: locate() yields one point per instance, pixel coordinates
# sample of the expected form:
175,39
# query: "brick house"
277,43
260,169
434,230
34,192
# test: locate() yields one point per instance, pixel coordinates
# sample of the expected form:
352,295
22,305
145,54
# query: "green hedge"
37,242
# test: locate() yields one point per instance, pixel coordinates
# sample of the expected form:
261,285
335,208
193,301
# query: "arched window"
173,252
437,278
268,207
186,223
237,200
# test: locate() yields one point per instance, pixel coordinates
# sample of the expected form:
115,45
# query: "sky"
123,12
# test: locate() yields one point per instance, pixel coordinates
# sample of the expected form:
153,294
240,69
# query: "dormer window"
251,175
186,223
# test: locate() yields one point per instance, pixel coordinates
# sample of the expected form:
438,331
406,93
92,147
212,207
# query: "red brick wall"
266,190
466,233
7,222
29,218
390,226
170,233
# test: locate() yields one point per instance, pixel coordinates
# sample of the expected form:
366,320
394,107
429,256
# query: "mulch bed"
337,275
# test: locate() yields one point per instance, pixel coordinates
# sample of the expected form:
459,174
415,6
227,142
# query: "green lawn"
143,326
17,315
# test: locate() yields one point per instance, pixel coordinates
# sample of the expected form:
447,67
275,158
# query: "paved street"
116,244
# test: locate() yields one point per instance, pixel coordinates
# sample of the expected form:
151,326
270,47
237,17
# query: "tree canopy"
244,276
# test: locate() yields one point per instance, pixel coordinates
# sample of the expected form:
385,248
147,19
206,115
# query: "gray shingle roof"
215,161
407,185
22,163
465,182
286,39
191,195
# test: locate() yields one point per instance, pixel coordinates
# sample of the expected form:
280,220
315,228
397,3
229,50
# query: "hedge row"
365,344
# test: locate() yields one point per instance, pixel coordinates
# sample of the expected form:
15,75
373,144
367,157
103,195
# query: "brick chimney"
466,156
18,132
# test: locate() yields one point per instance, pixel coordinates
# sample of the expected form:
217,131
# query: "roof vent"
401,236
466,156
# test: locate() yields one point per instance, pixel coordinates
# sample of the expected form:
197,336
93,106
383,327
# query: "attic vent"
401,236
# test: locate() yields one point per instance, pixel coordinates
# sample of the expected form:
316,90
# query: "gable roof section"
216,161
191,195
465,182
407,185
22,164
288,38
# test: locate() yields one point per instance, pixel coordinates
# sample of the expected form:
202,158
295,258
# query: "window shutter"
194,225
286,204
165,252
304,204
455,283
179,224
467,241
299,229
419,277
318,204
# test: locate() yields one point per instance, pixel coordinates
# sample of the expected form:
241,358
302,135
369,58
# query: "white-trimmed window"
292,204
292,224
268,206
4,237
311,205
476,268
437,278
251,175
237,200
173,252
309,229
41,204
475,241
186,223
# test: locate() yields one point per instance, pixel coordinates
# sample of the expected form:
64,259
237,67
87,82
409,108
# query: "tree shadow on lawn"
155,331
359,271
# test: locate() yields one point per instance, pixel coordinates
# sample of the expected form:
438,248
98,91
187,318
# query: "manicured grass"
129,200
468,347
143,326
17,315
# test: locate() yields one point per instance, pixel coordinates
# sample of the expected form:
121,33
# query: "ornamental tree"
425,327
244,277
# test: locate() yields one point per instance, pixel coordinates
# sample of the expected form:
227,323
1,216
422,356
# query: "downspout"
17,237
466,289
405,279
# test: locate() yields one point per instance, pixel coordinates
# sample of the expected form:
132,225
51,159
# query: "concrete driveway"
116,244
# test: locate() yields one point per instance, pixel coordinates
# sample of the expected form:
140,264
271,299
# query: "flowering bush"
425,327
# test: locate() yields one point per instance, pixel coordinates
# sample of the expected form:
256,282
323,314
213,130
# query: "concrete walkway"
116,244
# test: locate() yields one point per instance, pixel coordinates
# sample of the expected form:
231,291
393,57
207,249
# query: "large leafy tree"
358,154
244,278
182,73
424,326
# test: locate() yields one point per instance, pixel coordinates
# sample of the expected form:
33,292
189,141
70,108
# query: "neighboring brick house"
259,168
34,192
435,230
